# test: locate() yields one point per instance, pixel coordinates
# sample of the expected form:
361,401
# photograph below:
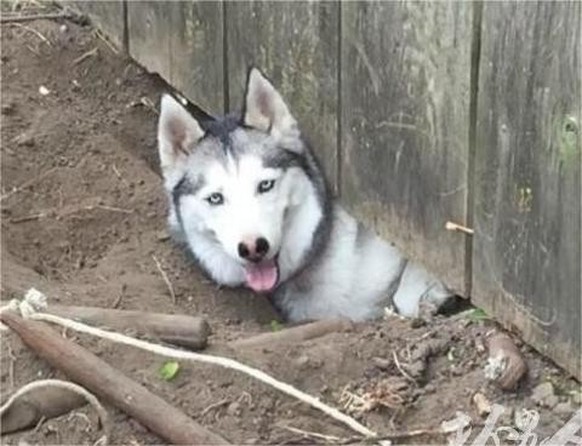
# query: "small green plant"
169,370
477,315
276,325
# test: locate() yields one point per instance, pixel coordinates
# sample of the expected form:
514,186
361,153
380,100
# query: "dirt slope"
83,214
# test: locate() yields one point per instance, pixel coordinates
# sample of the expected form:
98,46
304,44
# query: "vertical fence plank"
183,43
295,45
149,31
528,199
107,16
197,53
405,102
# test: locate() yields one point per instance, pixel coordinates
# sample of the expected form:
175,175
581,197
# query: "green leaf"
276,325
478,315
169,370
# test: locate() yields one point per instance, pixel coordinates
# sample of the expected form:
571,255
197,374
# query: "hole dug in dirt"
83,215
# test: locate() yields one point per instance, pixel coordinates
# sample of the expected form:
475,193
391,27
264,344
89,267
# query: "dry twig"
103,38
213,406
28,183
30,17
34,31
53,212
295,430
401,370
86,55
166,279
11,366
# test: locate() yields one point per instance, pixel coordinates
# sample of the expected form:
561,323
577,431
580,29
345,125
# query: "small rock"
505,365
482,403
234,409
544,395
382,363
302,361
429,388
43,90
162,235
24,139
8,108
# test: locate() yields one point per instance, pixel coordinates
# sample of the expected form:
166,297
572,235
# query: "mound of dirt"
83,217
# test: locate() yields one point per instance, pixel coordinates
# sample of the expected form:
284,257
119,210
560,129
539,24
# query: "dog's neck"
307,231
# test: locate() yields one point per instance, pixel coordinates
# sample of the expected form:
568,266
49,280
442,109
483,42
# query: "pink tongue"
262,276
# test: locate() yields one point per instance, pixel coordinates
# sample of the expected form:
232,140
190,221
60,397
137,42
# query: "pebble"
8,108
234,409
162,235
482,403
24,140
544,395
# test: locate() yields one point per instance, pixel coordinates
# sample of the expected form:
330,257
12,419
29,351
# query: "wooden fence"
423,113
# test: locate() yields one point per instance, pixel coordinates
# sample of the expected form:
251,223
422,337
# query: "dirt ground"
83,216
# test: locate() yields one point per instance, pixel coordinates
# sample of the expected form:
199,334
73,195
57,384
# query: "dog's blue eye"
265,186
215,199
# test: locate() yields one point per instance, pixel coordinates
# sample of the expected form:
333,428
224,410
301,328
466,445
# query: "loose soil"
83,215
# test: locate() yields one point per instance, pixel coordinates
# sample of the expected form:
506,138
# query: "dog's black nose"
243,251
253,250
261,246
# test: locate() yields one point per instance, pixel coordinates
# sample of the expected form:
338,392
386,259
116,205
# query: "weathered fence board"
415,127
149,33
405,84
527,207
183,43
108,16
196,55
296,45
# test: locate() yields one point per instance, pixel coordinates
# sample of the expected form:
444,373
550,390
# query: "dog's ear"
265,109
178,132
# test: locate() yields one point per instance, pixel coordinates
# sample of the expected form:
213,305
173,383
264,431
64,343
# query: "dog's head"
239,181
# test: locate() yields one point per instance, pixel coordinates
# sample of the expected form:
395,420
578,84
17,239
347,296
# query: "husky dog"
249,198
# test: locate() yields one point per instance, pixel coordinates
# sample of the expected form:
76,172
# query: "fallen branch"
45,399
35,300
293,335
81,366
178,329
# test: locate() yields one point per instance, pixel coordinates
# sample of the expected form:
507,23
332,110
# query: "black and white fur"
250,199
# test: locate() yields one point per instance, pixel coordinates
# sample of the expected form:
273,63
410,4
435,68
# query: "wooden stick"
293,335
96,375
178,329
452,226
